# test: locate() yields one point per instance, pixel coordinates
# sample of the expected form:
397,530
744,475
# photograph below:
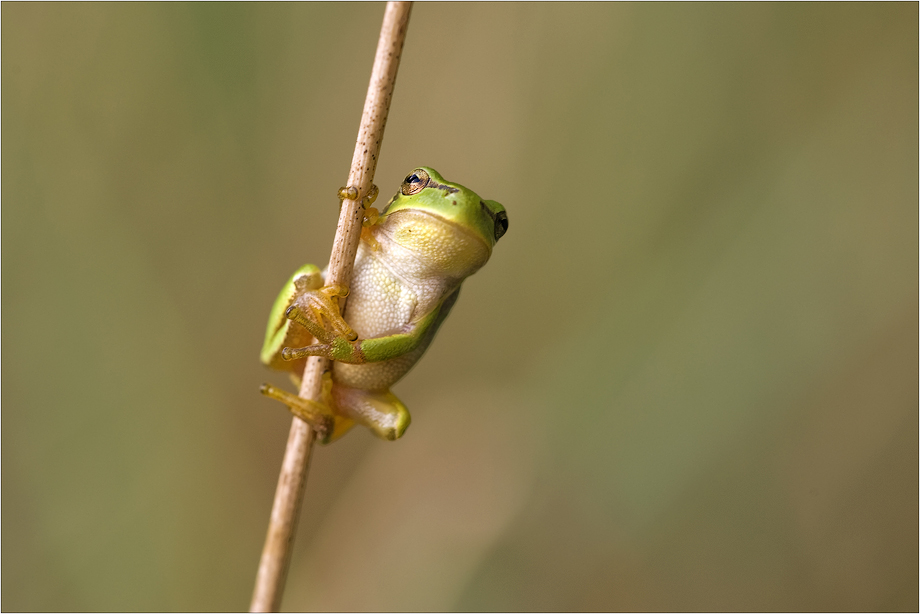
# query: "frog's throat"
398,219
432,244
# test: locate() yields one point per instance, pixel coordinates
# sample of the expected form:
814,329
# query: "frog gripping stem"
273,564
309,411
317,311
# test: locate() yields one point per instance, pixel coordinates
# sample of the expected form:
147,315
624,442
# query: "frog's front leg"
376,349
318,312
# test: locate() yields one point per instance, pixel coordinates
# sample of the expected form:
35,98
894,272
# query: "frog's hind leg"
281,332
380,411
328,426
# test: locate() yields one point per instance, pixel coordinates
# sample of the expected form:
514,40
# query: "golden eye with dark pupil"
415,182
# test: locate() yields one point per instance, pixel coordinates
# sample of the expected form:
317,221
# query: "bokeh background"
688,378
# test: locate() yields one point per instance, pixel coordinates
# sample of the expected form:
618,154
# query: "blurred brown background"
687,380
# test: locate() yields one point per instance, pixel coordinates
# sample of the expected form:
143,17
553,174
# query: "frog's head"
444,222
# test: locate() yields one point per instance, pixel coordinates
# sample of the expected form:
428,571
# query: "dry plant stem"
276,553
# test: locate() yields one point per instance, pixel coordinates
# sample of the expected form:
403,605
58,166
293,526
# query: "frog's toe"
307,278
296,314
317,311
340,426
349,192
393,429
371,196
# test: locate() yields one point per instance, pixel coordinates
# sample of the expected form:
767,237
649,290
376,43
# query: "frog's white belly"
379,304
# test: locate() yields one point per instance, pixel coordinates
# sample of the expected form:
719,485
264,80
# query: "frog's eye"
415,182
501,224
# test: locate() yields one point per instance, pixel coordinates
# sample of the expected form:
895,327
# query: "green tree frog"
411,260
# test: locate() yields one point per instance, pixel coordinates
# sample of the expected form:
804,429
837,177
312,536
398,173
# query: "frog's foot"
315,414
371,196
371,217
328,426
371,214
318,312
380,411
339,349
307,278
350,192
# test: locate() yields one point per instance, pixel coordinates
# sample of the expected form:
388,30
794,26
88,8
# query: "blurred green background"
688,378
